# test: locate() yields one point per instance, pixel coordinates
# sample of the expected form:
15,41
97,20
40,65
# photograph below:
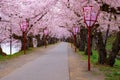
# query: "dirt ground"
77,66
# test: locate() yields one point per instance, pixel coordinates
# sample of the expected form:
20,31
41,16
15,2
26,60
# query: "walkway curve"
51,66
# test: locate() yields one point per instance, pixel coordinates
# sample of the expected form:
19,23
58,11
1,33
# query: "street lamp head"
46,32
24,26
75,30
90,15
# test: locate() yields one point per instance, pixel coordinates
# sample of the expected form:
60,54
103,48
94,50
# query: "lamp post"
75,30
24,25
45,36
90,17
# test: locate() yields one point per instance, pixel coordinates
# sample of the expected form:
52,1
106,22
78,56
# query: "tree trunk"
38,40
101,48
115,50
22,44
107,33
19,38
77,41
30,41
1,52
83,35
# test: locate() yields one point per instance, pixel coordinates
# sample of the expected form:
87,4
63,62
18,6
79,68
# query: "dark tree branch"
41,16
16,36
30,26
36,16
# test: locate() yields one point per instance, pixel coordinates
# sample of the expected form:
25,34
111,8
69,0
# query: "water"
16,46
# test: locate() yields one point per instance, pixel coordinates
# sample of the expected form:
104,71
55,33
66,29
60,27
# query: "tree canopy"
57,15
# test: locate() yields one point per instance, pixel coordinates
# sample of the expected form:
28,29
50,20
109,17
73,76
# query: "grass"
4,58
110,41
94,57
111,73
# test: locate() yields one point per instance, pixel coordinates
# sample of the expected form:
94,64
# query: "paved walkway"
51,66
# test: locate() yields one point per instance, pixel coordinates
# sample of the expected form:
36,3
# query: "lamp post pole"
75,41
45,42
24,35
71,40
89,32
45,36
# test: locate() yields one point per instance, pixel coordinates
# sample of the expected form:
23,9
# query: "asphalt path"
51,66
